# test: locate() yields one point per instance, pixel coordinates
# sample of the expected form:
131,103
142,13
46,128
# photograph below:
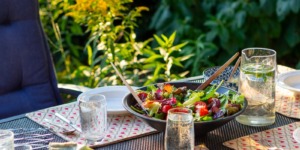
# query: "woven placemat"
276,138
287,102
120,127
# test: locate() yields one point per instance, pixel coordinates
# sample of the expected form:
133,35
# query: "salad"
206,104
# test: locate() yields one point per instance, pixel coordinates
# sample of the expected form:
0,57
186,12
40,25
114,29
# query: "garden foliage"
188,36
107,28
216,29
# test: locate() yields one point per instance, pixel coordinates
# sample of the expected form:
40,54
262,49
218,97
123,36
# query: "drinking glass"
257,84
93,117
6,140
179,133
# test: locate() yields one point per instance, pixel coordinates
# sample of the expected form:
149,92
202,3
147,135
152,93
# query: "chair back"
27,77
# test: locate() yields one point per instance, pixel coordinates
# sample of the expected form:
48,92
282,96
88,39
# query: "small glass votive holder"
6,140
93,117
179,134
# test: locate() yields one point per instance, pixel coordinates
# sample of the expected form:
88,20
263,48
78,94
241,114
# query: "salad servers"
130,89
234,68
216,74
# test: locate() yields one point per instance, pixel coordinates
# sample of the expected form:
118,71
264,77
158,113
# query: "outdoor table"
213,140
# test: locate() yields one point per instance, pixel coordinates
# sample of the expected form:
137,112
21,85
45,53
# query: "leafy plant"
163,61
85,36
64,38
230,25
111,27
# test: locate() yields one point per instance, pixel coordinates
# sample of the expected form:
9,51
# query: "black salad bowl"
201,128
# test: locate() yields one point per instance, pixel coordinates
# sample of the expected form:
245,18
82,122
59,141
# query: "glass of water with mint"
93,117
257,84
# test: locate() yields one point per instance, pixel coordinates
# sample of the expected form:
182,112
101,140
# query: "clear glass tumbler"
257,84
179,134
6,140
93,117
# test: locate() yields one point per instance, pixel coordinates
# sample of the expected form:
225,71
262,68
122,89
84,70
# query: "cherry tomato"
165,108
201,108
203,112
200,104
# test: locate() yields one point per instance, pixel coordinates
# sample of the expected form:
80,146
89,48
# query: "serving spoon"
130,89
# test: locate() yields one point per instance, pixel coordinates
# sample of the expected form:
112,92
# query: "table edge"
12,118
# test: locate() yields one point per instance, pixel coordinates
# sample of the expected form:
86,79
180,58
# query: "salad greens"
193,98
206,104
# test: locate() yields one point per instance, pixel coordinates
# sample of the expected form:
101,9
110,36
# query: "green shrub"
216,29
110,25
85,36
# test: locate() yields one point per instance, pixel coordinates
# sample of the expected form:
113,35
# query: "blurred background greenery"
162,40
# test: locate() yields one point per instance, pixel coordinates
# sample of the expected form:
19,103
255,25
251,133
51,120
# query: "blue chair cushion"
27,77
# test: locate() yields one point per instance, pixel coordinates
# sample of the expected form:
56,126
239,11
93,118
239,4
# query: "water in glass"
257,84
93,117
6,140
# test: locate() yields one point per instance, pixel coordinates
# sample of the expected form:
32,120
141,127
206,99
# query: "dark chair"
27,77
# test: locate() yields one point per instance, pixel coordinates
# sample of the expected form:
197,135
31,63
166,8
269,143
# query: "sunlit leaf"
90,54
149,66
166,40
157,71
172,38
159,40
153,58
183,58
177,62
177,47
